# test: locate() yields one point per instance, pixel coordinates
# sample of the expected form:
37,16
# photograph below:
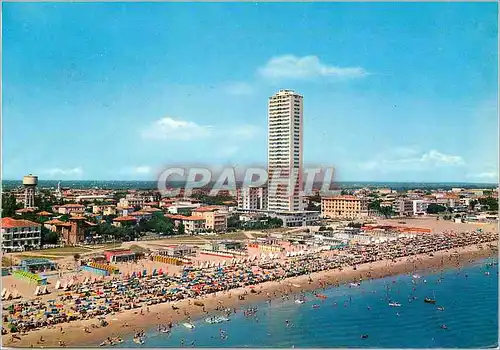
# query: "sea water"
469,296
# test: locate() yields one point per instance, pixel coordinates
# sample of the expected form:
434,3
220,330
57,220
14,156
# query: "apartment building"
192,224
420,207
344,207
403,207
284,155
70,208
18,234
215,219
251,198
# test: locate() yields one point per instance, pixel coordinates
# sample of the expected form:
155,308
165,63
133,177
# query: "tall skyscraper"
284,151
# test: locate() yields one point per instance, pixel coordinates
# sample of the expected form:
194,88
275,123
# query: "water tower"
29,182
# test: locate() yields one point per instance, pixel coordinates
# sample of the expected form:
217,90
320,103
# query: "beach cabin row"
228,255
266,247
168,260
30,277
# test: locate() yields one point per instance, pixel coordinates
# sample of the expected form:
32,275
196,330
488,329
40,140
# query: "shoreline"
126,323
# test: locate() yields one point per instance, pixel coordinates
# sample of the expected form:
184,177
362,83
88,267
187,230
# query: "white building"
252,198
18,234
420,207
284,153
297,219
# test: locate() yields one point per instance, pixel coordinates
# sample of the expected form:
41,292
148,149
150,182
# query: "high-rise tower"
284,151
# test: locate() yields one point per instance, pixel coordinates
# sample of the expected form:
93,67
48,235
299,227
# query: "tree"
233,222
374,205
181,229
387,212
490,202
9,206
311,206
472,204
434,208
48,236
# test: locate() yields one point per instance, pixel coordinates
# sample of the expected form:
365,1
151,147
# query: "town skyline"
114,109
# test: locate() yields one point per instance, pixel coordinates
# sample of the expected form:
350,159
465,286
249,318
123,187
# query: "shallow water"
471,315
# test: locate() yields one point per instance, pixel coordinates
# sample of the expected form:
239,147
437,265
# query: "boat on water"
394,304
354,284
321,296
315,306
188,325
300,301
214,320
430,300
416,276
364,336
138,340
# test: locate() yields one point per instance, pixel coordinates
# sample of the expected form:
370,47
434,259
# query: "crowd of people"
94,300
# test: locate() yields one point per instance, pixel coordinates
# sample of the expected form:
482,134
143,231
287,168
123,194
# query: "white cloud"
410,159
180,130
307,67
239,89
440,158
484,175
244,131
144,169
173,129
63,172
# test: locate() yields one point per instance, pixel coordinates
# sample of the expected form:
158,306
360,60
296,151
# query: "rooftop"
12,223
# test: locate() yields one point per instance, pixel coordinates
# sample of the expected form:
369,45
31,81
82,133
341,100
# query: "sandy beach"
127,322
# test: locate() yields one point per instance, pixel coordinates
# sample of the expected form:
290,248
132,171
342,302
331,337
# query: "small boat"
364,336
315,306
444,326
299,301
354,284
213,320
440,308
188,325
416,276
395,304
321,296
429,301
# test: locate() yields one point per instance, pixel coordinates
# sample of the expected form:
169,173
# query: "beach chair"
58,284
37,291
4,291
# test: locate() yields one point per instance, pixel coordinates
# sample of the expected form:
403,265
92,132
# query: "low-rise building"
296,218
19,234
124,220
344,207
215,219
69,208
192,224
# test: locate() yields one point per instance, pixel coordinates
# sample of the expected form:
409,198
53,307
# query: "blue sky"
392,92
